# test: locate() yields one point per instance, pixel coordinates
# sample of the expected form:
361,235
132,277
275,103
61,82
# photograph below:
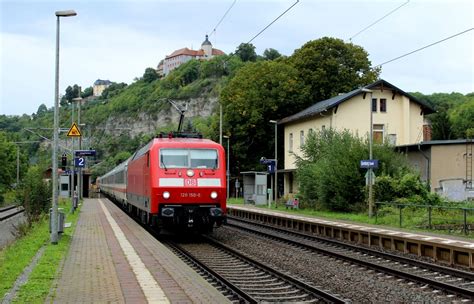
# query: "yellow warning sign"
74,131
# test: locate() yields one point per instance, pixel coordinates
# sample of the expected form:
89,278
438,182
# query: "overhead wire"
424,47
273,21
378,20
225,14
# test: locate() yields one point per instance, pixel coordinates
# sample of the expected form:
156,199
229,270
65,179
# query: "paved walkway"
114,260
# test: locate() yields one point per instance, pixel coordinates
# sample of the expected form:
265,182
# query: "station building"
397,117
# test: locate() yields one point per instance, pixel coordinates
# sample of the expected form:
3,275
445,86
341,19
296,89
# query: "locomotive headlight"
166,195
213,194
190,173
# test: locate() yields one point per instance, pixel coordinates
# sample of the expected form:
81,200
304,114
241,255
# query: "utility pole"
18,158
370,170
79,184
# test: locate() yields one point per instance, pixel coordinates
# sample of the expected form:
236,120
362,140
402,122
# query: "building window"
323,128
290,143
310,131
377,131
383,105
374,104
301,138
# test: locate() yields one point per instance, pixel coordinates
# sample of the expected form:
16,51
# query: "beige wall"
418,162
98,89
448,161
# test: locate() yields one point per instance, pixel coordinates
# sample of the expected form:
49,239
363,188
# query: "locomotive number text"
190,194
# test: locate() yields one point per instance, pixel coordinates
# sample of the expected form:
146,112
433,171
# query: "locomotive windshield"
188,158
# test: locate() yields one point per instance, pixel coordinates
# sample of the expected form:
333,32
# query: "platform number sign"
80,162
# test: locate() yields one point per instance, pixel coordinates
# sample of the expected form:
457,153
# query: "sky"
118,39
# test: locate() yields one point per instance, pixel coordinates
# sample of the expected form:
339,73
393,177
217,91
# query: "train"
173,182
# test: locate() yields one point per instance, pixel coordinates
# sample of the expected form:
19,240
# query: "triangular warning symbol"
74,131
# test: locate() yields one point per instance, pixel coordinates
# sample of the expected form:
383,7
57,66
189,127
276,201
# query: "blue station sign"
85,152
270,164
369,164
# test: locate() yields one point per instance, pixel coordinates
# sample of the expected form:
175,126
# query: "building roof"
193,53
438,143
327,104
217,52
206,42
102,82
183,51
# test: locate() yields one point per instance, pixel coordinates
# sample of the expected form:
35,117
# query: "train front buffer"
199,203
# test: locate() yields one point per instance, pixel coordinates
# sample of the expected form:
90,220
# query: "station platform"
452,250
114,260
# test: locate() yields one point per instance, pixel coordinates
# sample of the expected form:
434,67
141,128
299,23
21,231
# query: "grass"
16,257
412,218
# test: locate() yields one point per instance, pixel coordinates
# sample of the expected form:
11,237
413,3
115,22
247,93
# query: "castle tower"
207,48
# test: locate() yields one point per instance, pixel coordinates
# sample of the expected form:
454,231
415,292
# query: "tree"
330,66
8,160
42,109
150,75
246,52
189,72
329,173
113,90
35,194
71,93
271,54
87,92
462,119
219,66
259,92
453,117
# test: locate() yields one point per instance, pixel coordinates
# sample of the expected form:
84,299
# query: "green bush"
329,173
35,193
330,176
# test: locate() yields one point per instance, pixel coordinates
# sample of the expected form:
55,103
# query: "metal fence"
452,219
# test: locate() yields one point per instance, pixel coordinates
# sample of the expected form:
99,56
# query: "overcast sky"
117,40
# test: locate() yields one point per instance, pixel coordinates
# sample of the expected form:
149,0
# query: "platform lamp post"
54,214
73,175
78,100
370,170
276,161
228,168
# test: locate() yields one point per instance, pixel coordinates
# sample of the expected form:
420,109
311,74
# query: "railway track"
10,211
245,280
450,280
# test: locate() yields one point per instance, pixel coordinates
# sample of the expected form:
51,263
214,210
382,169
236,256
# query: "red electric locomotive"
175,183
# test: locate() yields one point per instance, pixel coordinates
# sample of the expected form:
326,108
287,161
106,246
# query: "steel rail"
4,214
236,290
321,293
401,274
